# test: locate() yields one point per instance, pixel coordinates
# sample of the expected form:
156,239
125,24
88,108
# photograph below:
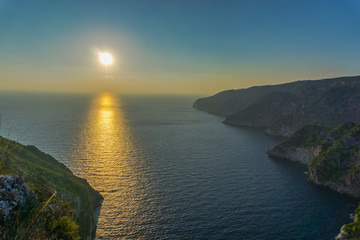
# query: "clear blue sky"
183,46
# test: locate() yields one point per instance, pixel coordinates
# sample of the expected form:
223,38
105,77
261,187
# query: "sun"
105,58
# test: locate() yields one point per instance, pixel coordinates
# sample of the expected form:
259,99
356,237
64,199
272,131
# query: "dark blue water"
168,171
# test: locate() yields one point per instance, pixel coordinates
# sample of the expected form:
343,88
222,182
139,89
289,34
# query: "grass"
44,175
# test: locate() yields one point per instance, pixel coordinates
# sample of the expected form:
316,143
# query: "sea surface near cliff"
168,171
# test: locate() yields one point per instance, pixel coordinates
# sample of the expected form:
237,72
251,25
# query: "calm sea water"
168,171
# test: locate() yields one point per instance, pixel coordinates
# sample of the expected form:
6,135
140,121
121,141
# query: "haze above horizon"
175,46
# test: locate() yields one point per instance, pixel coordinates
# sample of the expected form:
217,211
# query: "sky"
175,47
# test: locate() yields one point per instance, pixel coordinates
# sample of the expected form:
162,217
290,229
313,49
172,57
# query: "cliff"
281,109
331,153
67,202
332,156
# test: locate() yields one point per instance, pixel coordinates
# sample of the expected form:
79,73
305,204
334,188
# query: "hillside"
281,109
48,184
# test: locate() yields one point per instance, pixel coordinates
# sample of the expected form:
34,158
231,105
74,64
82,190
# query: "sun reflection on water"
106,157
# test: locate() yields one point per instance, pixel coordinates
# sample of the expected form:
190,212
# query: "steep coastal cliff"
331,153
332,156
41,197
281,109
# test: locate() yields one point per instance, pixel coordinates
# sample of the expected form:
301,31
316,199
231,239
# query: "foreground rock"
333,158
281,109
37,181
13,194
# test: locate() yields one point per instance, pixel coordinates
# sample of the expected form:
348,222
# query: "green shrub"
65,228
353,231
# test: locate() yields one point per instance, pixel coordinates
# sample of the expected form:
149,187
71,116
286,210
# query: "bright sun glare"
105,58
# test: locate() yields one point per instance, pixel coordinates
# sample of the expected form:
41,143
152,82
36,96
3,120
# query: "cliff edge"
43,198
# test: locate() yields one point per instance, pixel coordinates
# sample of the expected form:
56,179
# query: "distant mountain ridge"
283,108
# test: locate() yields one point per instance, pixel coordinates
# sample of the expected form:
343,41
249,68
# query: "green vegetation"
342,130
307,136
333,163
314,135
54,219
353,229
50,220
339,156
65,228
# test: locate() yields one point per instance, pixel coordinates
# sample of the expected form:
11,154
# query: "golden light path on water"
106,157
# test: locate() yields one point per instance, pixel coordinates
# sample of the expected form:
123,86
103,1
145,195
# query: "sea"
169,171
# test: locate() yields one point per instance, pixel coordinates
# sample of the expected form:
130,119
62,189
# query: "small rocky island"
41,198
320,119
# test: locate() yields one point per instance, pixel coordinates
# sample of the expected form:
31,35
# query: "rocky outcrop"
14,194
342,235
281,109
303,155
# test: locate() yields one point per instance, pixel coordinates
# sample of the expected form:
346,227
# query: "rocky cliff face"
281,109
331,153
333,157
303,155
342,235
